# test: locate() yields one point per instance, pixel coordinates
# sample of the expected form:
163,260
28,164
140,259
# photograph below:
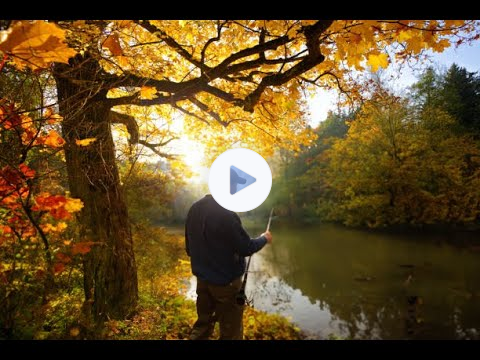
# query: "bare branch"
206,109
186,112
153,147
132,128
337,79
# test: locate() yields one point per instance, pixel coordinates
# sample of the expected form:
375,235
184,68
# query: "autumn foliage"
35,44
218,82
34,244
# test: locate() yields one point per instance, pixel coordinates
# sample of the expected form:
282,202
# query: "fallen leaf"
112,43
85,142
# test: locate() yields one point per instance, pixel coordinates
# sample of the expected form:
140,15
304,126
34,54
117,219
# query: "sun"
193,155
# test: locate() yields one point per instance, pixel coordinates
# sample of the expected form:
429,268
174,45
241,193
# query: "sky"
467,56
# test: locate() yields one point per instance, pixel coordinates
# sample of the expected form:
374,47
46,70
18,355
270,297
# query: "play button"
240,170
239,180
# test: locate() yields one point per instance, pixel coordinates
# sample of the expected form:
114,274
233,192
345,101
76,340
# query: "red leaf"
46,201
5,229
58,267
60,214
63,258
82,248
29,173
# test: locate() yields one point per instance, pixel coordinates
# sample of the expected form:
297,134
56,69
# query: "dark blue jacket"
217,243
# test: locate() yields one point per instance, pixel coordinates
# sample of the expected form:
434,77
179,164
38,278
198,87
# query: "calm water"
364,285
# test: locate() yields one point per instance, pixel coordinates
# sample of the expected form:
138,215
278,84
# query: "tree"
33,246
399,166
298,180
234,81
460,96
426,91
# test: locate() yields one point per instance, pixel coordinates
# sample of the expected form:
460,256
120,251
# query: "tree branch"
212,40
129,122
153,147
206,109
132,128
186,90
314,57
171,42
186,112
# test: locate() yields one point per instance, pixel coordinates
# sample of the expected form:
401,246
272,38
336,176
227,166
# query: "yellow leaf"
376,61
51,117
79,23
148,93
53,139
75,331
123,23
48,228
73,205
85,142
441,45
35,44
112,43
404,35
123,61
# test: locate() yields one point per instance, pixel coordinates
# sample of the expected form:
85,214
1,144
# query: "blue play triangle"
239,180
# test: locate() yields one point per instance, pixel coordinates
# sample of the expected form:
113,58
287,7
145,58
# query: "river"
337,282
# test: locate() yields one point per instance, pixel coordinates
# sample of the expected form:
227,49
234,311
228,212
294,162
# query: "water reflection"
362,285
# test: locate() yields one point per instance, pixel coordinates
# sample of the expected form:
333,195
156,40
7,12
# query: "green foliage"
298,182
426,91
460,94
457,91
396,166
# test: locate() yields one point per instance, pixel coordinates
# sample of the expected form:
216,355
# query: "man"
217,245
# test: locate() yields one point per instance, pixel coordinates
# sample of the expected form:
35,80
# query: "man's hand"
268,236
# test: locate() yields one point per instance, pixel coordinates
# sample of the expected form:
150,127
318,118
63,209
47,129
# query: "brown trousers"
217,303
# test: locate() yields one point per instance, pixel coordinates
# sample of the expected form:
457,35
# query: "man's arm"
244,246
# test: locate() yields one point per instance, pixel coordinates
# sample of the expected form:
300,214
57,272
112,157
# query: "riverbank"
164,312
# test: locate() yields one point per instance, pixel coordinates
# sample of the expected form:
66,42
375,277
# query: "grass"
164,312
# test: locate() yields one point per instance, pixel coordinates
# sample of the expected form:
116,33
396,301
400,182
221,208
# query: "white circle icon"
240,180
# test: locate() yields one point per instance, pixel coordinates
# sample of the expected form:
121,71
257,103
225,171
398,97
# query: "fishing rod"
269,220
241,298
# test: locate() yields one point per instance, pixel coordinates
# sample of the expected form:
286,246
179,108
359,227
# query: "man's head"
234,180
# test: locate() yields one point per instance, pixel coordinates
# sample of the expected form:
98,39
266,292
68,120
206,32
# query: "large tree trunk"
110,274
